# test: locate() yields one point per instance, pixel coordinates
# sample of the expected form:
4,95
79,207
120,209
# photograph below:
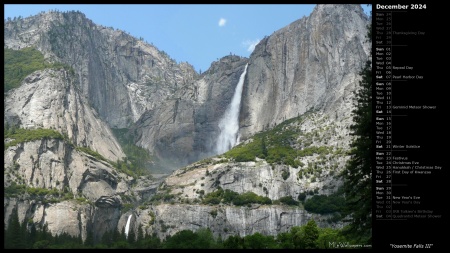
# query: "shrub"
288,200
20,63
21,135
235,198
249,198
213,213
126,207
285,174
14,190
301,197
323,204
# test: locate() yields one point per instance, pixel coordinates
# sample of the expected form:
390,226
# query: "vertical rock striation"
313,63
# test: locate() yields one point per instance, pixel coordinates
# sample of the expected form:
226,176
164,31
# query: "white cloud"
251,44
222,22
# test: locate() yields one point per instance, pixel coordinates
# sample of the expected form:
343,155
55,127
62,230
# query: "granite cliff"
299,83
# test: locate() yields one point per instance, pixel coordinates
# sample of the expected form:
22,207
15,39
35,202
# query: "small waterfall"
229,124
127,227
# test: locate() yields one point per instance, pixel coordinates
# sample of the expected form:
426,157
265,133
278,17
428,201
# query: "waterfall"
229,124
127,227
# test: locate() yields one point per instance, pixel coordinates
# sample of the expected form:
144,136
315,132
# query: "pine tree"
116,235
311,234
107,238
5,239
13,235
358,173
89,242
140,236
297,237
25,234
264,147
123,235
32,236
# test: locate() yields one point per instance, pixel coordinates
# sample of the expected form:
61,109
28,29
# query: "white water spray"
127,227
229,124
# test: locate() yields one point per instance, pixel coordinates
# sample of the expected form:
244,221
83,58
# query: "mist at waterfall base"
127,227
229,123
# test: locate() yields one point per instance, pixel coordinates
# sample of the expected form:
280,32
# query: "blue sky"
194,33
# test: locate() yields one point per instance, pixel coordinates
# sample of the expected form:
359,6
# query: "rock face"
119,74
184,127
77,180
122,82
312,63
52,99
224,220
70,217
189,186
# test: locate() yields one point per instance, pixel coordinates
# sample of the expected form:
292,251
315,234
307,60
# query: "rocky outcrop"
121,76
224,220
55,164
73,180
258,177
74,192
317,174
107,201
52,99
70,216
313,63
183,129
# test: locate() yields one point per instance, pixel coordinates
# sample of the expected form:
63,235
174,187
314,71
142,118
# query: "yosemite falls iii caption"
229,124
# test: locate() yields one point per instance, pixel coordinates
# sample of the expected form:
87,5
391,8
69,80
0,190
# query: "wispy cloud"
250,44
222,22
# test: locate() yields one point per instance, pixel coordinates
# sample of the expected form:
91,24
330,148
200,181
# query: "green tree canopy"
358,172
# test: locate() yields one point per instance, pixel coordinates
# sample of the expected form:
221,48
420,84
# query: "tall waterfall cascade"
229,123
